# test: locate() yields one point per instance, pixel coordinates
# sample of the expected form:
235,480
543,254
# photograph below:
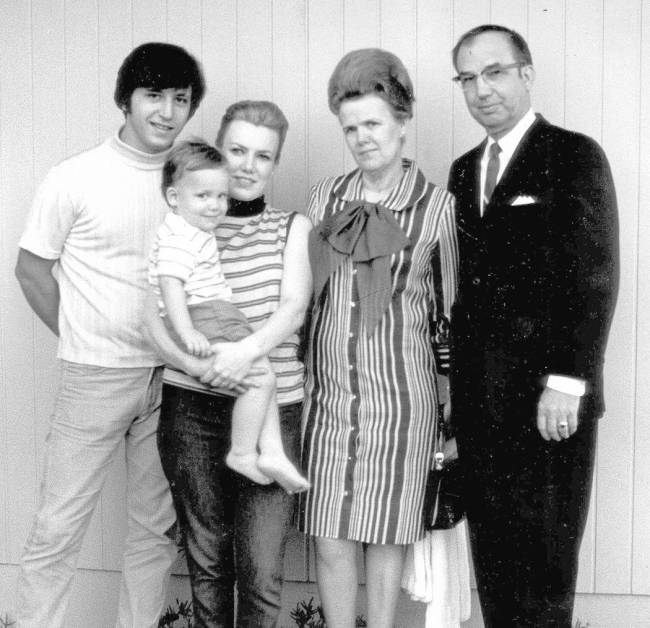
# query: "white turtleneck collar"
137,158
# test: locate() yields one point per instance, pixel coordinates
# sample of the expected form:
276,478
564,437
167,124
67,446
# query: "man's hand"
557,414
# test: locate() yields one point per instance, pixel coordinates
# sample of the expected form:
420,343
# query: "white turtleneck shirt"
96,213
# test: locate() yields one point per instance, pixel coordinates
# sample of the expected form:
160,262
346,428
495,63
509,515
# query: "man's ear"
171,194
528,74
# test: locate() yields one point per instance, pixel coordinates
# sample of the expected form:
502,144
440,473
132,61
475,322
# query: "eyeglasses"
491,75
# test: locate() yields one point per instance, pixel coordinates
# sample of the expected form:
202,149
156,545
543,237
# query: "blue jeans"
98,408
233,531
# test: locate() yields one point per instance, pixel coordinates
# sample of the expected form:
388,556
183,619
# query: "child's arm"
173,296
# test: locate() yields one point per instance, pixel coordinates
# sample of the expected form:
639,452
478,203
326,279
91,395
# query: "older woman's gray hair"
372,71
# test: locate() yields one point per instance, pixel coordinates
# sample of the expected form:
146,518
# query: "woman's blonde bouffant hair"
372,71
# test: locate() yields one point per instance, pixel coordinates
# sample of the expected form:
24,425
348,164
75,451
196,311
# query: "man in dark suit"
537,231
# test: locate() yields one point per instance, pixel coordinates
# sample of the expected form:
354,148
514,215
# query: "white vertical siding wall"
58,61
639,367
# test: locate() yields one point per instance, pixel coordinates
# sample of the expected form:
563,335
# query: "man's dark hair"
159,66
518,43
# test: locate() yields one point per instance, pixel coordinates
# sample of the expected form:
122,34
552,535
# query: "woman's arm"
233,361
295,291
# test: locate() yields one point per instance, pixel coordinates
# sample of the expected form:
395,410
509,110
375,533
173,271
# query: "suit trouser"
528,503
96,409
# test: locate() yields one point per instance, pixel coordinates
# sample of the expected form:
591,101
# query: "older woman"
234,531
384,262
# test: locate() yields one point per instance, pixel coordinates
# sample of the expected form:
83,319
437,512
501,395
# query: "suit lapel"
472,192
466,187
523,163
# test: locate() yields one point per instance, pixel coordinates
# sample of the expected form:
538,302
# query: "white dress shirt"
508,144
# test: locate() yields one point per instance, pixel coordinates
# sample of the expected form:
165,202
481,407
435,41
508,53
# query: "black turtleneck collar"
241,209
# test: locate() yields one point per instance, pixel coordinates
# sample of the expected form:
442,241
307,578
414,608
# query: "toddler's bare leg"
256,422
248,416
273,462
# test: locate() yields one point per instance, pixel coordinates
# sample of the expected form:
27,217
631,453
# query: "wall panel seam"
639,158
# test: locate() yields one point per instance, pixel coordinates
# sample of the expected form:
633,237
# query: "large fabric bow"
369,234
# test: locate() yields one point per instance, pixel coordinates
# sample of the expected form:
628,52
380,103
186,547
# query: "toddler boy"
195,302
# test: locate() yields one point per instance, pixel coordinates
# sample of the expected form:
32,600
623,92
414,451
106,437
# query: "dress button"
476,281
354,271
350,367
353,304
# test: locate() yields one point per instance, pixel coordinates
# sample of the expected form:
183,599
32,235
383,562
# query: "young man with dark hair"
92,222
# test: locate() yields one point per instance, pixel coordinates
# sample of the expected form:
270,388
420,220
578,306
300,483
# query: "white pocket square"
523,200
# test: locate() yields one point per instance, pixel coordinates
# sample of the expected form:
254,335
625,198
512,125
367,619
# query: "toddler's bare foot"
246,464
279,468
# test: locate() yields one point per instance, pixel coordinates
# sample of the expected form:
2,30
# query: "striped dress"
370,400
252,259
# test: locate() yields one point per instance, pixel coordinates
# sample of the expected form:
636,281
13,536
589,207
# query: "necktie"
491,173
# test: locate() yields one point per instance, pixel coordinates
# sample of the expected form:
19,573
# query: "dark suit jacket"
537,282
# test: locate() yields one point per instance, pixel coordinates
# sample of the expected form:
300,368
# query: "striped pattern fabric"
251,251
371,400
191,255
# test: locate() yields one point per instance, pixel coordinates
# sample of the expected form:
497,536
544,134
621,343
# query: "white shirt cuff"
568,385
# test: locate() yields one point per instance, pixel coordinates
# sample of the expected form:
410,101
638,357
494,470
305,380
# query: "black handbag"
443,498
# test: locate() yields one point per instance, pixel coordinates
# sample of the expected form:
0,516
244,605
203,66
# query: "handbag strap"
440,323
438,440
